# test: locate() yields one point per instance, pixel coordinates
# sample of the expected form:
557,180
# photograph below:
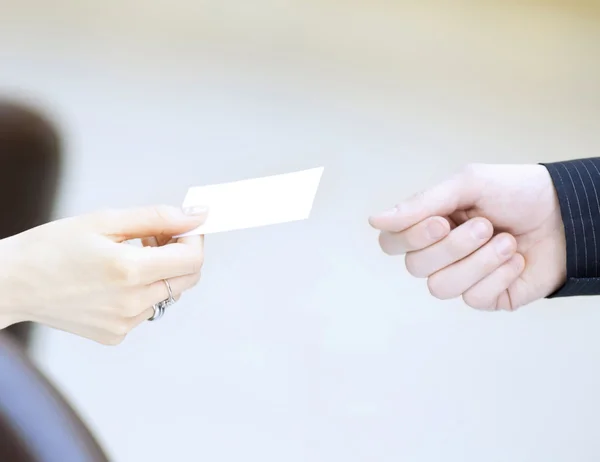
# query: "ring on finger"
160,307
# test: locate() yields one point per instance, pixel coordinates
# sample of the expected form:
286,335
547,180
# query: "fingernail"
195,211
504,247
435,229
480,230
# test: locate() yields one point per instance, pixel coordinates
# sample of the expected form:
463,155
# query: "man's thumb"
457,193
159,221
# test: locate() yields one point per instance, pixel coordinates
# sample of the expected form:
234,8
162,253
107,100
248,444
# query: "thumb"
160,221
457,193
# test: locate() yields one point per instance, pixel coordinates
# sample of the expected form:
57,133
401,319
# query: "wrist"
9,312
6,320
10,308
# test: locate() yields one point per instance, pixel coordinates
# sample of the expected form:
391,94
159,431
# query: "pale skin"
81,275
491,234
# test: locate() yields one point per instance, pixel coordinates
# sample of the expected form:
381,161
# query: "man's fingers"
456,279
416,237
158,221
491,292
460,243
459,192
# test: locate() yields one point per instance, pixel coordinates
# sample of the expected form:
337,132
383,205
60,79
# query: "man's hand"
492,234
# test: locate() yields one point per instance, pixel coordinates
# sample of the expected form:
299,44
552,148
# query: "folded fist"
491,234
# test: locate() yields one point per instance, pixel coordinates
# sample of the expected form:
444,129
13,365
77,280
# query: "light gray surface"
303,342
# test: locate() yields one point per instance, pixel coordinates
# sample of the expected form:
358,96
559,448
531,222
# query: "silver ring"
159,310
171,299
160,307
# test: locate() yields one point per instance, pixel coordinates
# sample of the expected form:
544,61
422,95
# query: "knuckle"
126,269
438,289
504,306
411,261
411,239
119,328
483,222
510,308
162,214
112,340
385,244
509,244
471,236
476,301
132,306
508,303
197,263
196,278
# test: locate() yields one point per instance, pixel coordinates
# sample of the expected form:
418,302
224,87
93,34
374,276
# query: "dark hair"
30,162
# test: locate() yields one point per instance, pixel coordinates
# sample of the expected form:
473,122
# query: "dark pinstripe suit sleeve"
577,184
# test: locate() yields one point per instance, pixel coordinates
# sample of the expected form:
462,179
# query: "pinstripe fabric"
577,184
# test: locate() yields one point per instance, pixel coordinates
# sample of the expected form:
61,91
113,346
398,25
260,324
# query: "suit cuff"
577,184
575,287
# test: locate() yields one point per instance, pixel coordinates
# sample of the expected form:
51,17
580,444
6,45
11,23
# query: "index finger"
441,200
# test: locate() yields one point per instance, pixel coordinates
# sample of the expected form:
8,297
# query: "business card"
255,202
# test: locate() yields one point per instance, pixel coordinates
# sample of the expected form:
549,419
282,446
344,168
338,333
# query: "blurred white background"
303,342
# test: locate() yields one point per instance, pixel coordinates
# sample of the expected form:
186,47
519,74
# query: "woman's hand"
81,275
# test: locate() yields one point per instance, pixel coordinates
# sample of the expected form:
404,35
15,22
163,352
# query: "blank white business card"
256,202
